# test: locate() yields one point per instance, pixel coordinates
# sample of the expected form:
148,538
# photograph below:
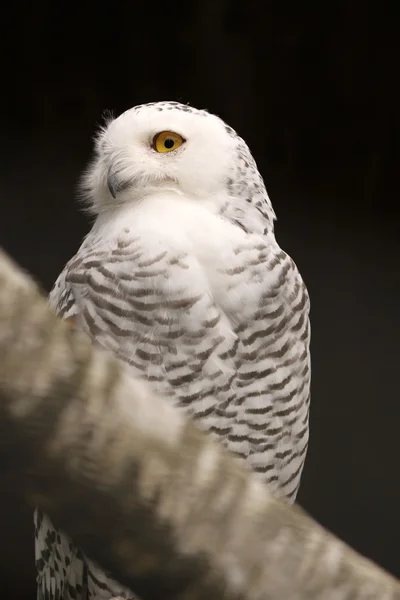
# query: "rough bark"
139,488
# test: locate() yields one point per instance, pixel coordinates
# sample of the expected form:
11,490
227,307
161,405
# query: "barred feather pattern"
217,323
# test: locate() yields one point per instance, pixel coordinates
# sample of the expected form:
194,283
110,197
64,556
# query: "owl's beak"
116,183
113,184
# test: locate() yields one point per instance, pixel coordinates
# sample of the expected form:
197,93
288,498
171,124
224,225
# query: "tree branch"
139,488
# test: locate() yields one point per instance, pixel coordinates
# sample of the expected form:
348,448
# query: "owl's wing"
152,305
61,298
59,565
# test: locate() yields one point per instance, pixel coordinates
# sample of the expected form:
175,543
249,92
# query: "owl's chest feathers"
168,264
179,226
179,250
184,223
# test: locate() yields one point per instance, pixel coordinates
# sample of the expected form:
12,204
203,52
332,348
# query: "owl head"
168,146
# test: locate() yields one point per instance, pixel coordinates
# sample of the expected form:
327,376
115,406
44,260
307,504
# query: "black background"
312,90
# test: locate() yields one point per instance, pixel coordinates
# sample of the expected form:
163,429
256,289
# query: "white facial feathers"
213,162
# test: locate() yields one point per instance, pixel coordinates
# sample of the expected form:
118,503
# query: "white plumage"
181,278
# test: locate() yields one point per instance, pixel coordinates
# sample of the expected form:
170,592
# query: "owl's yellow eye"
166,141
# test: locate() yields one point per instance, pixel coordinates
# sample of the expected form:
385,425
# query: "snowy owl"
182,279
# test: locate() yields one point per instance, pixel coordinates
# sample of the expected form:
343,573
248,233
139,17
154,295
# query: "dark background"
312,90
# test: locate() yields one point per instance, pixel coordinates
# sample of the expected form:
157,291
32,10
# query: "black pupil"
169,142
